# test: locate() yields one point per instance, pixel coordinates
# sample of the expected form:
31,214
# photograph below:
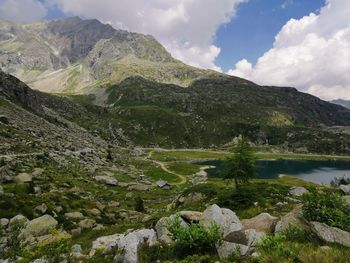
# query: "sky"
299,43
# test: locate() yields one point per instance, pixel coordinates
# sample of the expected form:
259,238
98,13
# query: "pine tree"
241,166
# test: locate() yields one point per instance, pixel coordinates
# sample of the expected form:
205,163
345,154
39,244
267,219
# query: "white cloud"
22,10
185,27
312,54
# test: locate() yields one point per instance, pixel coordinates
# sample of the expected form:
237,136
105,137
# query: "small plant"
328,208
273,248
139,207
194,239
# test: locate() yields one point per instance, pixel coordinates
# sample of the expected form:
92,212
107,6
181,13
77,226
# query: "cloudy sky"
300,43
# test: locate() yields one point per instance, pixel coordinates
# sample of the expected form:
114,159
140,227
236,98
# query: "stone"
129,195
345,189
106,179
93,212
23,178
4,222
39,226
76,232
87,223
293,218
74,215
225,218
227,248
193,198
131,242
331,234
261,223
163,234
98,227
297,191
18,221
139,187
76,250
37,172
41,208
191,216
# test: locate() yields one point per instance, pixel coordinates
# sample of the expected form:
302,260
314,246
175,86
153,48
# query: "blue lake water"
321,172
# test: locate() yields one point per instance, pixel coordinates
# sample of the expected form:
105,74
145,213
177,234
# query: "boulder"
244,237
191,216
41,208
297,191
331,234
139,187
193,198
18,221
23,178
227,248
74,215
261,223
293,218
39,227
162,231
128,244
225,218
93,212
132,241
345,189
106,179
4,222
37,172
87,223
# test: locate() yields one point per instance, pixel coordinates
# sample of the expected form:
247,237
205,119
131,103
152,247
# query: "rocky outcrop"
331,234
261,223
105,179
23,178
39,227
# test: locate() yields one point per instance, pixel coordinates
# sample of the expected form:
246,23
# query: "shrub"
139,207
196,239
328,208
295,234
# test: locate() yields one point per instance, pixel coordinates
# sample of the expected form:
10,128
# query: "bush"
328,208
196,239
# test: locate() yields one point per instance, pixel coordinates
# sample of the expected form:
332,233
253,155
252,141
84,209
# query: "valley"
103,142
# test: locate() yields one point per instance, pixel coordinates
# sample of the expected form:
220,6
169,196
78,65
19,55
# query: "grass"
184,168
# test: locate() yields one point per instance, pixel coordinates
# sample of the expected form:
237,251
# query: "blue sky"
252,32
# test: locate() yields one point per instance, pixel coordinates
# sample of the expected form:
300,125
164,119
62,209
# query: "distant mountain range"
345,103
125,88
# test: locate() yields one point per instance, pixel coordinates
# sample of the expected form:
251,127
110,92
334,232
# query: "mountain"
76,56
345,103
126,89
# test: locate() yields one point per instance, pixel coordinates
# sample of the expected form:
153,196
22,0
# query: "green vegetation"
241,166
327,207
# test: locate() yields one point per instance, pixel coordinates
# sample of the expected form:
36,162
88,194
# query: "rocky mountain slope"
77,56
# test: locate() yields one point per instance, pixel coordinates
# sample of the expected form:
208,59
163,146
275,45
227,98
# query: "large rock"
293,218
345,188
163,234
227,248
18,221
225,218
23,178
297,191
261,223
106,179
331,234
39,226
74,215
127,244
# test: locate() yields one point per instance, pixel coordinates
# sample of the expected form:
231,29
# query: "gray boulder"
18,221
345,189
4,222
261,223
191,216
106,179
39,226
297,191
225,218
162,231
74,215
293,218
23,178
227,248
331,234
